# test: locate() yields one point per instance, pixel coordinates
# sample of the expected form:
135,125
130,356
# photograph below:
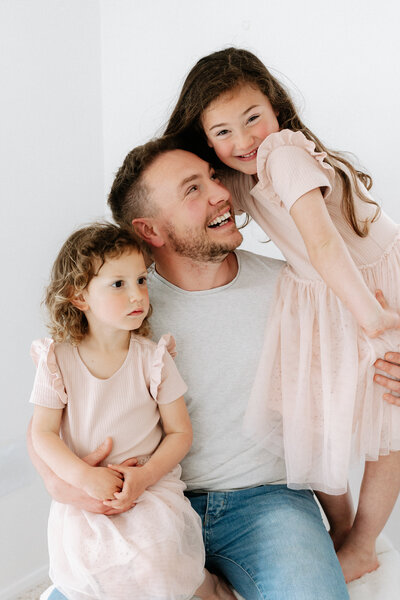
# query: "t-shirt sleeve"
48,387
166,383
288,161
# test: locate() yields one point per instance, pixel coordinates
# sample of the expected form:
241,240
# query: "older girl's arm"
330,257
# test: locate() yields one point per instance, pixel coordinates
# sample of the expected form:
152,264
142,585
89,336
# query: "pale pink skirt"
314,401
152,552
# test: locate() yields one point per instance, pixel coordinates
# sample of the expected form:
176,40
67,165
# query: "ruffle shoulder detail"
43,355
165,345
282,138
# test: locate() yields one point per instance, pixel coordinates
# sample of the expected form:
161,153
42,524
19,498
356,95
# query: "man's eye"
214,177
193,188
118,284
142,280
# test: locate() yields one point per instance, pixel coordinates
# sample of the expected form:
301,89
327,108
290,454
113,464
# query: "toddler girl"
101,375
314,398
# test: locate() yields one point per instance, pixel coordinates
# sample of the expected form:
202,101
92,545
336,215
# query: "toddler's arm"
174,446
98,482
331,258
63,492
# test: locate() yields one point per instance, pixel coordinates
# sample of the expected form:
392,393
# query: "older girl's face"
236,123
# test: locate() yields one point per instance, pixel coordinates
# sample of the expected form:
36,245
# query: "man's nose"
218,193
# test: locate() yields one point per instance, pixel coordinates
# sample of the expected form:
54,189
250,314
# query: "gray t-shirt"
219,335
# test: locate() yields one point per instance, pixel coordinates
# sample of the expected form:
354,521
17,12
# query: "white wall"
339,59
82,76
51,180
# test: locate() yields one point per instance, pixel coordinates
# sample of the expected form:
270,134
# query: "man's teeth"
221,219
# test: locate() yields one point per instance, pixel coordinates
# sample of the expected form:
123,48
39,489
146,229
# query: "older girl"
313,397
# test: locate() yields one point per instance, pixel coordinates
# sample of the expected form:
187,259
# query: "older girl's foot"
356,561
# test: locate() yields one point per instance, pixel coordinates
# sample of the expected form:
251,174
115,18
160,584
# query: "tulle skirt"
154,551
314,401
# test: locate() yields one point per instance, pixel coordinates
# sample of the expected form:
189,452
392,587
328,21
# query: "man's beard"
199,248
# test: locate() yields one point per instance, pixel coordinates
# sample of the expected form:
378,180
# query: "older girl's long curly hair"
75,266
222,72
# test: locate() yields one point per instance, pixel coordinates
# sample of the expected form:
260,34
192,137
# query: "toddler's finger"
117,472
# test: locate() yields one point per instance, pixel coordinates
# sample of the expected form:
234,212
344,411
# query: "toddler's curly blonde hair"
74,268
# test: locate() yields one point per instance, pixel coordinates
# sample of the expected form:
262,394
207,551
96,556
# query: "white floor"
35,592
382,584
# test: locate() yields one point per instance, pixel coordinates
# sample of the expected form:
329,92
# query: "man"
268,541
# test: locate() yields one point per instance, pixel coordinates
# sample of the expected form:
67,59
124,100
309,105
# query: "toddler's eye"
118,284
142,280
253,118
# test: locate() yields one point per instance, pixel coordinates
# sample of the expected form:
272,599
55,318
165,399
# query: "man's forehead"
175,166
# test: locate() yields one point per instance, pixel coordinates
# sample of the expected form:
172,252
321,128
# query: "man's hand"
65,493
391,366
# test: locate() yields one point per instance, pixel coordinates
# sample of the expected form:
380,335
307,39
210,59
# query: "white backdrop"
83,81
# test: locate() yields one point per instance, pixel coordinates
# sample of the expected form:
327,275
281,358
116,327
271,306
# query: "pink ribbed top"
123,406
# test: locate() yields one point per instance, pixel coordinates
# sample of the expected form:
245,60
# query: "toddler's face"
237,123
117,297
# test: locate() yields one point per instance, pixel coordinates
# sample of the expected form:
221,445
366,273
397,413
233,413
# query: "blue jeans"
270,544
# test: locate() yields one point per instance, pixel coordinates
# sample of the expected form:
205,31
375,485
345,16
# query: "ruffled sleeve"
48,388
166,384
288,161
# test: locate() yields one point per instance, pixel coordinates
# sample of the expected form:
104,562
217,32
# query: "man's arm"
390,365
65,493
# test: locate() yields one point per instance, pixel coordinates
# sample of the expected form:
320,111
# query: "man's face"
195,214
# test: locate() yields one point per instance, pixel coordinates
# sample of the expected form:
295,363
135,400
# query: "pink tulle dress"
155,550
314,400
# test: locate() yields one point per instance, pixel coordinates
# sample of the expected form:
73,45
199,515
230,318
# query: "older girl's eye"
222,132
118,284
252,118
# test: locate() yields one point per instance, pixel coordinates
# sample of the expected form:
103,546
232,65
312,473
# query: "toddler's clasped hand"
102,483
135,482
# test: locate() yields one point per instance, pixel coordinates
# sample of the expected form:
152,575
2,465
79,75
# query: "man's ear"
146,229
79,301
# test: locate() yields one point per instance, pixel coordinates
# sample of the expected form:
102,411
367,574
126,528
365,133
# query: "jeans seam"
205,524
225,558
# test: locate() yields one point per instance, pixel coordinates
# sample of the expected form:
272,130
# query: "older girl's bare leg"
379,491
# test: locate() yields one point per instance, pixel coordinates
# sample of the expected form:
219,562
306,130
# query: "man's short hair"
129,198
